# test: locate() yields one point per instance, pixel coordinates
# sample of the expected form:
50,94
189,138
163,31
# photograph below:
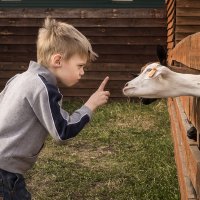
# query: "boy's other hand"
100,97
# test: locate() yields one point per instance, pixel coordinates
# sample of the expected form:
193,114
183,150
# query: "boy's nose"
82,72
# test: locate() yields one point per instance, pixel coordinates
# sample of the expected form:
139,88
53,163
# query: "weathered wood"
187,51
184,69
191,148
187,29
189,12
90,75
82,13
181,36
98,48
95,67
125,40
188,20
93,31
187,191
188,3
72,92
185,58
94,40
99,22
121,58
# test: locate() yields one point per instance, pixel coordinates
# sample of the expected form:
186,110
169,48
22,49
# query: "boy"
30,104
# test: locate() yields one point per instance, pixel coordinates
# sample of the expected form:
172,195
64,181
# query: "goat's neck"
185,84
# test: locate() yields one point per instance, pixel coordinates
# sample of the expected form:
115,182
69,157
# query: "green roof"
82,4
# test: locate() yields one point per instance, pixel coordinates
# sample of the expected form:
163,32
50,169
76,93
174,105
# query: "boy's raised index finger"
103,84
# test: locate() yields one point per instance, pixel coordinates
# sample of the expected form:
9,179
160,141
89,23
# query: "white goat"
158,81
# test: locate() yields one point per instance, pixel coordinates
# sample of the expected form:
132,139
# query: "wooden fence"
185,111
125,39
183,43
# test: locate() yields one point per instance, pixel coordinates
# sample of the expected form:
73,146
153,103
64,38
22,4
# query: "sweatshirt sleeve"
57,121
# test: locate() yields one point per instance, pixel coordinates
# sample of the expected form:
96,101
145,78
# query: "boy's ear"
56,60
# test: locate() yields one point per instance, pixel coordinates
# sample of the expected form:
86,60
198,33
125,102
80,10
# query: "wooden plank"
121,58
194,170
95,67
188,20
125,40
10,66
188,3
186,105
100,22
187,51
194,113
99,48
87,84
82,13
93,31
116,67
181,36
187,29
115,93
94,40
191,148
184,69
72,92
187,12
187,191
90,75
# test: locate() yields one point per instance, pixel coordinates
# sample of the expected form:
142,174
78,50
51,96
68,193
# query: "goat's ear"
161,71
162,55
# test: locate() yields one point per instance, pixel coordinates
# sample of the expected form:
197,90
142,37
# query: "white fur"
164,83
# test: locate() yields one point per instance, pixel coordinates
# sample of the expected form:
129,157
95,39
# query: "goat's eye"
148,70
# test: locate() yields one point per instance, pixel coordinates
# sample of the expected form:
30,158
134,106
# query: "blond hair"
59,37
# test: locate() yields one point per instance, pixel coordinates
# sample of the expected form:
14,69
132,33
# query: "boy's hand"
100,97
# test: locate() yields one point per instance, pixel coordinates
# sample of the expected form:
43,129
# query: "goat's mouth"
126,90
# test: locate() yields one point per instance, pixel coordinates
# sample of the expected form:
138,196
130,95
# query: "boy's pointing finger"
103,84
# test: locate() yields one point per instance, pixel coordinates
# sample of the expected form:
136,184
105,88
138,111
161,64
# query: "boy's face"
71,71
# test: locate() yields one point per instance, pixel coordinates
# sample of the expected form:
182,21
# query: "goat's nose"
126,85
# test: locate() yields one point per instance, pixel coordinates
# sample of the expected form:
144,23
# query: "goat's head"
151,83
162,56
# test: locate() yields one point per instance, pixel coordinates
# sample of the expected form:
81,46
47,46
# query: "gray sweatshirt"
30,109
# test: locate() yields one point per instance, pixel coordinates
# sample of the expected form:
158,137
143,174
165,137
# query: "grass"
125,153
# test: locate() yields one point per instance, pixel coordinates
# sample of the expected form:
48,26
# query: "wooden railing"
185,113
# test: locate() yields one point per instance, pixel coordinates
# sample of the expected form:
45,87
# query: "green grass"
125,153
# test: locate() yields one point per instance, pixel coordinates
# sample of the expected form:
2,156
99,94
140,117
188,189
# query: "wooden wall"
183,19
125,39
183,22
